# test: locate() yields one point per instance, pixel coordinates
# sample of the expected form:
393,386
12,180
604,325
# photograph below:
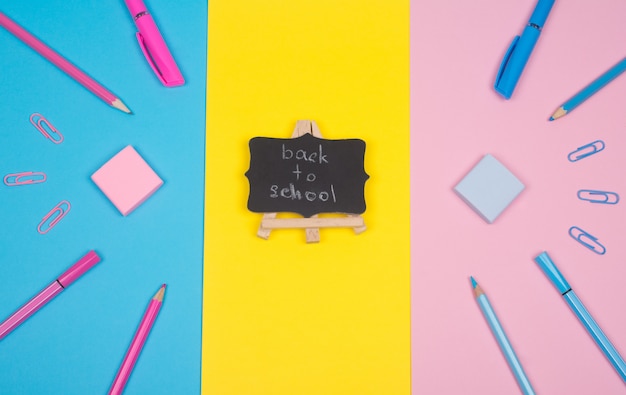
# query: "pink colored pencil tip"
160,293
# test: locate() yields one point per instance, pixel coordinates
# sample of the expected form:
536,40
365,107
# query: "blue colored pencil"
590,89
503,341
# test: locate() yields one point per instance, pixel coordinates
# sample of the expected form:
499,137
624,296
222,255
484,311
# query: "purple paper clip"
24,178
53,217
45,127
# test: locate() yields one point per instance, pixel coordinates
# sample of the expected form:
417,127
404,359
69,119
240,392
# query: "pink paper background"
456,119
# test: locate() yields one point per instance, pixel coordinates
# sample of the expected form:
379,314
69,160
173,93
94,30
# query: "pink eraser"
127,180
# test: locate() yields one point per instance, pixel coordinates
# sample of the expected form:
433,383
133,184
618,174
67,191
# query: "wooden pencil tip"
160,293
117,103
558,113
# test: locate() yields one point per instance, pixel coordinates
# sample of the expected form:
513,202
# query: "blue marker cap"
553,273
515,60
520,50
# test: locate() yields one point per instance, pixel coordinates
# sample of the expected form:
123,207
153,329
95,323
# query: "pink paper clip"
45,127
53,217
24,178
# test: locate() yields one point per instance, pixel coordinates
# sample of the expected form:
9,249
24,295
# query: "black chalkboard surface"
306,175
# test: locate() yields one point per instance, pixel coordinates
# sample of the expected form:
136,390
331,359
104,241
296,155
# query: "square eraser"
127,180
489,188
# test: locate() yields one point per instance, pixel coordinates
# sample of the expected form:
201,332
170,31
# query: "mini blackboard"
306,175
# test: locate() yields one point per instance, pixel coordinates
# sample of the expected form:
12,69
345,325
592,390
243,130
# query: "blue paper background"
75,344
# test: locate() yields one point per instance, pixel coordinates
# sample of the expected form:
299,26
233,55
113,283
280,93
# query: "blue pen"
518,53
503,341
590,90
553,273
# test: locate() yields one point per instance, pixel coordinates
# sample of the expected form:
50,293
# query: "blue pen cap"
519,51
540,14
553,273
514,61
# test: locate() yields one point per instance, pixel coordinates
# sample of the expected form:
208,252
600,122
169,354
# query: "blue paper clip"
602,197
24,178
45,127
586,150
592,242
53,217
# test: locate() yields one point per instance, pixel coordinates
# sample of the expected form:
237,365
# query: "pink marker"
72,274
136,345
153,46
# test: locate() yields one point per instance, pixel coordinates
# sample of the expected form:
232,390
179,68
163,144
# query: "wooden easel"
313,224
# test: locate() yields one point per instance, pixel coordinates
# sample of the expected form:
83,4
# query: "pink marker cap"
153,45
78,269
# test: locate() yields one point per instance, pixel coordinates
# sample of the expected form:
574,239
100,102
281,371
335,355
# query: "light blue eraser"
489,188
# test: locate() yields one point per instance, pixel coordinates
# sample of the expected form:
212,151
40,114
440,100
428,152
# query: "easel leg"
264,233
312,234
315,131
357,229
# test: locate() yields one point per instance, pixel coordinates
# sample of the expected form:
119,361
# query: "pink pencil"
72,274
62,63
137,344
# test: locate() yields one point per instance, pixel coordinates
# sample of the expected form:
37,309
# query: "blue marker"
553,273
590,89
522,46
503,341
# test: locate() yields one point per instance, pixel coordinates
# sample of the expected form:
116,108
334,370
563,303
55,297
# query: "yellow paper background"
281,316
